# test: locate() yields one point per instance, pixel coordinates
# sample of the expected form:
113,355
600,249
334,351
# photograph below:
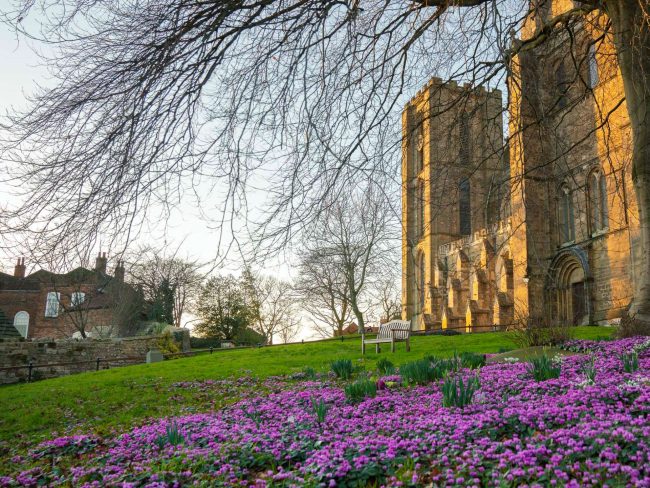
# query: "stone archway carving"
568,287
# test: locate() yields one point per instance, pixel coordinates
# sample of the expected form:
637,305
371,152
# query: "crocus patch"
564,431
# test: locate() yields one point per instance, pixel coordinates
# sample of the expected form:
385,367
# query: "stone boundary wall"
54,358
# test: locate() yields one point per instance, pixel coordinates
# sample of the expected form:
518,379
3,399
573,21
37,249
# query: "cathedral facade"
534,224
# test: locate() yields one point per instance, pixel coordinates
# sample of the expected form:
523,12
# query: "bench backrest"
402,329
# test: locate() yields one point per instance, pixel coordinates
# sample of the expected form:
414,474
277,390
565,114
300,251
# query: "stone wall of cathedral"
544,231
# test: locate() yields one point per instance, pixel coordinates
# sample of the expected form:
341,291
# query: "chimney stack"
19,270
119,271
100,263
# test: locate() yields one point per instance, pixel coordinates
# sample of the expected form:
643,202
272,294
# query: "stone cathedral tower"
542,228
453,172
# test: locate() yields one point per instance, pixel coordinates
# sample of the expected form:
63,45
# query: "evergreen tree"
222,309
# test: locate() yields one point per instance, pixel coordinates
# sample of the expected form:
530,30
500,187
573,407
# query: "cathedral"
534,222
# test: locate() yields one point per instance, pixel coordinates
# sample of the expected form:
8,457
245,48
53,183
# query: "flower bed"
566,431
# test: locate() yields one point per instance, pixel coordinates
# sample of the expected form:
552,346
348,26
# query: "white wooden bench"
390,332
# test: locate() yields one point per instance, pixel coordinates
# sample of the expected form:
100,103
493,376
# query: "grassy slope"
104,400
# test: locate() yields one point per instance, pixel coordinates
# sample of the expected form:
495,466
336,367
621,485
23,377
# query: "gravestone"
154,356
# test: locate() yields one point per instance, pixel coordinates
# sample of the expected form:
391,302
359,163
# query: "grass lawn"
113,399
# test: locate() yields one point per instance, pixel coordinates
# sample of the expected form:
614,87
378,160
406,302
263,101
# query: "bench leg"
377,348
408,345
392,346
363,347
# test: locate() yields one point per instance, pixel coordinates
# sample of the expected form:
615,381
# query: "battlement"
466,88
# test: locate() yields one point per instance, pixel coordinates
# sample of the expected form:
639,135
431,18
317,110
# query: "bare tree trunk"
354,305
632,38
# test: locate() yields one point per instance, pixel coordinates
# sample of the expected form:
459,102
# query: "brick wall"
82,355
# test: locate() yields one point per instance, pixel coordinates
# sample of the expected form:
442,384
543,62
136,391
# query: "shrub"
432,358
171,437
249,337
630,362
630,327
204,342
423,371
538,332
456,393
544,368
309,373
450,364
472,360
320,409
167,344
443,332
533,336
342,368
385,367
359,390
153,328
589,369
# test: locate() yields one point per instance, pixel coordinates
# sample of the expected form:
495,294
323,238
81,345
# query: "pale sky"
186,230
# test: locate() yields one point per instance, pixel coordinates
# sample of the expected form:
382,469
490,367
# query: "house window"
21,323
598,201
77,298
567,228
52,304
593,67
464,208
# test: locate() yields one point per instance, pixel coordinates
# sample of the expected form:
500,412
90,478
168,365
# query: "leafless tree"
151,268
386,297
289,334
353,235
272,305
305,94
323,293
93,305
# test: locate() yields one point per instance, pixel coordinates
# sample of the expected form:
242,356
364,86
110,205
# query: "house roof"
103,283
10,282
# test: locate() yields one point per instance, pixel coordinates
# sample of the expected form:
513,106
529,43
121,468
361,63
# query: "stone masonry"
71,356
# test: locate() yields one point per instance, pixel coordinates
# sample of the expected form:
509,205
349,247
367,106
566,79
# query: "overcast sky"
195,235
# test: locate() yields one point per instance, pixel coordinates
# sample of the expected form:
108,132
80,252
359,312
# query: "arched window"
598,201
464,208
421,281
592,63
419,196
418,137
464,140
566,218
21,323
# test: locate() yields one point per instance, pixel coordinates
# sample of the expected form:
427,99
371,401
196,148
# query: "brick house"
80,302
352,328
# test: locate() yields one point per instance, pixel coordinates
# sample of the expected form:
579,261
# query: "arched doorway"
21,323
570,276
